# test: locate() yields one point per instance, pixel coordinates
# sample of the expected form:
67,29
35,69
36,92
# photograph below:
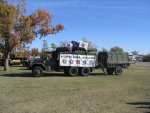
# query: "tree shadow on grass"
141,105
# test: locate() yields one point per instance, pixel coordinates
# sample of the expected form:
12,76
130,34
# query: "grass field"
56,93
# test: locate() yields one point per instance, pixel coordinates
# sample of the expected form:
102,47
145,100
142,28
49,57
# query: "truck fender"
39,65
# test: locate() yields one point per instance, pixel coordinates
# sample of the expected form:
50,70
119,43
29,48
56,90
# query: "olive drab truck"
80,61
113,62
72,63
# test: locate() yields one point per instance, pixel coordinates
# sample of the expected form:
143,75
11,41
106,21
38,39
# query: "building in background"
138,58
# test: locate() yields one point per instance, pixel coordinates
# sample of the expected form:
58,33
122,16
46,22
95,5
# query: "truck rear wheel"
85,71
73,71
118,70
37,72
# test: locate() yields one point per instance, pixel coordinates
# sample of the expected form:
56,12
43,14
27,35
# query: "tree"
45,46
146,58
63,43
35,52
91,45
116,49
24,54
104,49
2,1
53,46
21,52
135,52
16,28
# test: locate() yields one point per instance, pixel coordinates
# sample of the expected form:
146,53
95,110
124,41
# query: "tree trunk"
6,65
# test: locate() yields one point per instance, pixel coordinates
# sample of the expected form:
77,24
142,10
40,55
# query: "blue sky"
106,23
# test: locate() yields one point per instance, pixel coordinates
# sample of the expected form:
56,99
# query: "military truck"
71,62
12,60
80,61
113,62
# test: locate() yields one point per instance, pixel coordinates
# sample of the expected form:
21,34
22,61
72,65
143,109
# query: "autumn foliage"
18,29
22,55
35,52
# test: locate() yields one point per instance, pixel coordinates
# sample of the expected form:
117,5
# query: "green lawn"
56,93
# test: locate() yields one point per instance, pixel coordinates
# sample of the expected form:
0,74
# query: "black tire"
73,71
85,71
118,70
37,72
110,71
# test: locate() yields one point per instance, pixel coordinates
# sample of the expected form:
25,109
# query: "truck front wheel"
118,70
73,71
37,72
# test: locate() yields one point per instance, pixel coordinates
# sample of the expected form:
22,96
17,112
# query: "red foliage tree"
35,52
16,28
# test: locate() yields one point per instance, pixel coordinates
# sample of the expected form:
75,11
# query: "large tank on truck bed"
113,61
